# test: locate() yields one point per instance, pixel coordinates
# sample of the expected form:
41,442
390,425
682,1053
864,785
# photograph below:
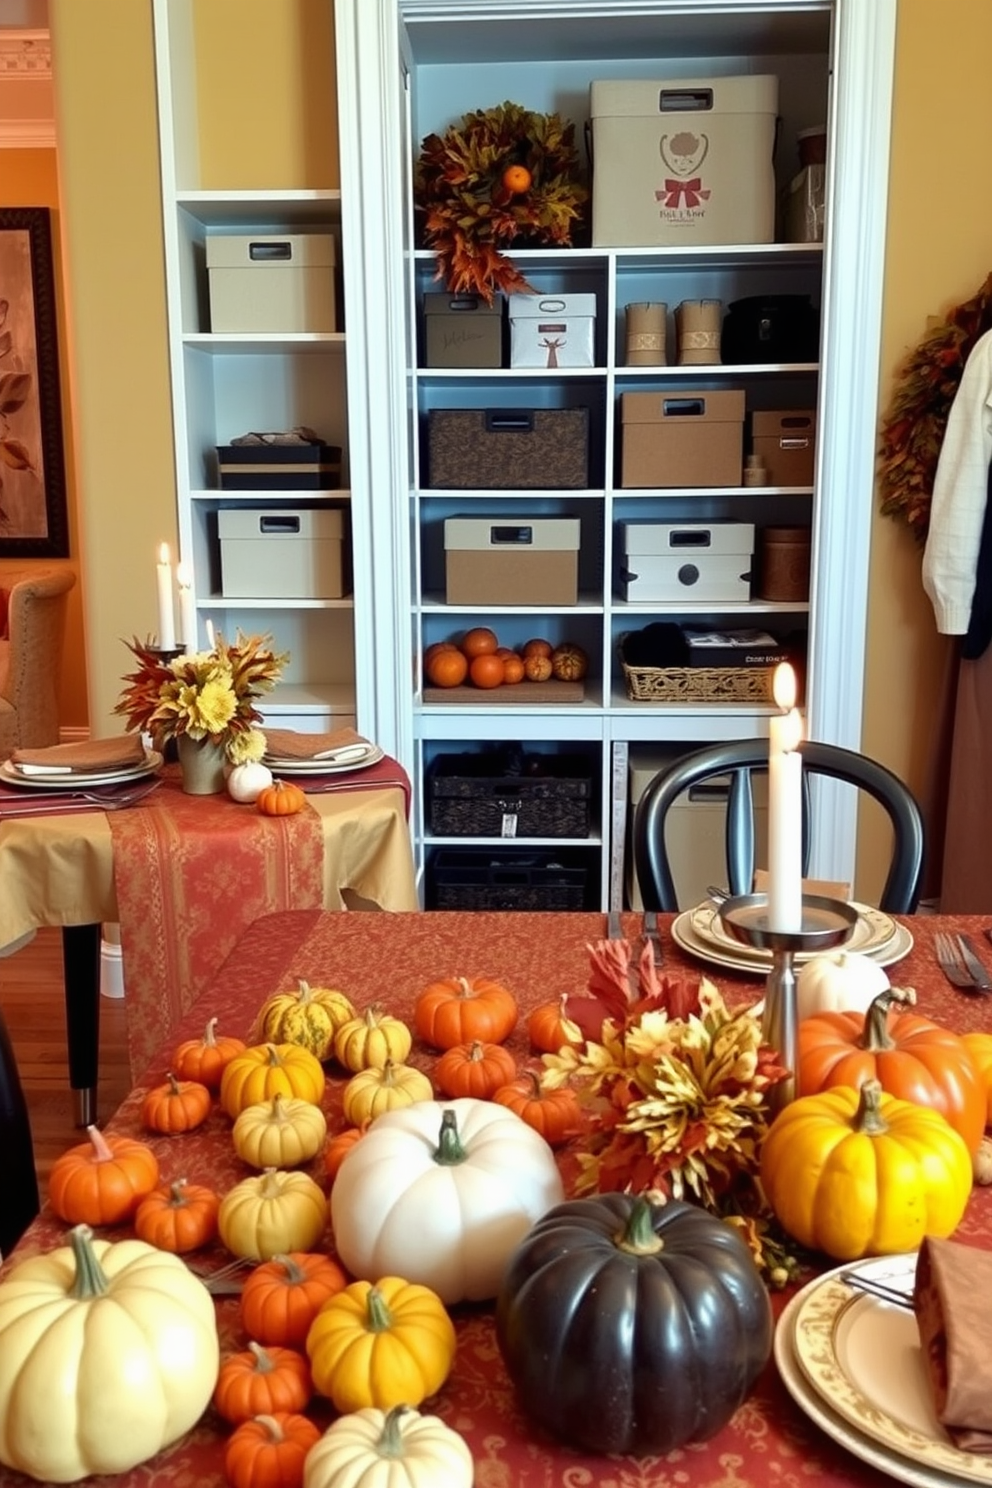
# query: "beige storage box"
784,440
552,330
683,162
281,554
461,330
493,561
282,285
695,831
682,439
694,561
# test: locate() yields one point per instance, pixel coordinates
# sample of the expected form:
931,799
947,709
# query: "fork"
651,934
952,963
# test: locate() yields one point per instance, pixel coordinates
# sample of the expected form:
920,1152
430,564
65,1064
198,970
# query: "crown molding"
26,98
27,134
25,56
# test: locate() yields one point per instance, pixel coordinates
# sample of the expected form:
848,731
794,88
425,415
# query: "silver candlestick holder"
825,923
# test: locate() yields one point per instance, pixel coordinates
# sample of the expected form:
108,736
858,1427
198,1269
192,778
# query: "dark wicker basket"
509,795
458,879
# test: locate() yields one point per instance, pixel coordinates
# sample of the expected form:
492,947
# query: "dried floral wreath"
503,174
913,428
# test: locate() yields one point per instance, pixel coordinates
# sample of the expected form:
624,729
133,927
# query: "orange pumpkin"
476,1069
550,1027
269,1450
910,1056
205,1058
337,1148
102,1181
555,1114
280,1298
178,1217
258,1381
459,1009
979,1046
281,798
176,1106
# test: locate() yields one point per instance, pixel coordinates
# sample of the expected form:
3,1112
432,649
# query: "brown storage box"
508,448
682,439
785,442
461,330
499,562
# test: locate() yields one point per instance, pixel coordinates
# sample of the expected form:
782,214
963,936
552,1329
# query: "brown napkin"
952,1299
83,758
287,744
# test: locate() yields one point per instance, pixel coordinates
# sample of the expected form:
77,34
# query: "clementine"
513,668
481,641
447,668
536,647
434,648
486,670
517,179
537,668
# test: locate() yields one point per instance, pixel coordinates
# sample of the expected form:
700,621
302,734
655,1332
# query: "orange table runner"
191,873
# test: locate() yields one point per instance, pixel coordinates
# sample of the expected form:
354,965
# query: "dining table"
388,960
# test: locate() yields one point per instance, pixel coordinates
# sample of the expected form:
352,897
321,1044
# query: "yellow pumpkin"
108,1353
309,1016
979,1046
368,1040
272,1214
373,1091
856,1172
265,1070
281,1133
388,1344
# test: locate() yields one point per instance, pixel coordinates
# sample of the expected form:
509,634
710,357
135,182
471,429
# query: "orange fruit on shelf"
537,668
434,648
569,663
447,668
517,178
504,652
481,641
536,647
486,670
513,668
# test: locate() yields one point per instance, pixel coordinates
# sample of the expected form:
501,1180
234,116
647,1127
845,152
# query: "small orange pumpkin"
337,1148
269,1449
101,1181
550,1027
258,1381
280,1298
204,1058
459,1009
477,1069
555,1114
176,1106
281,798
178,1217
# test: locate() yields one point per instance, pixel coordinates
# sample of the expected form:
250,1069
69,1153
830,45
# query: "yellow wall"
29,178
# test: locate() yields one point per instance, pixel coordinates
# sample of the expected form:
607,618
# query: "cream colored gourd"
838,982
372,1092
378,1449
281,1133
272,1214
246,782
441,1193
366,1042
108,1353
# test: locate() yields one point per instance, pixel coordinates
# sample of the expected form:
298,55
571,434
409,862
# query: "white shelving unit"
409,67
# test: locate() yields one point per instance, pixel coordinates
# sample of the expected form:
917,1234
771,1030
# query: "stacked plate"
334,762
701,932
70,780
854,1365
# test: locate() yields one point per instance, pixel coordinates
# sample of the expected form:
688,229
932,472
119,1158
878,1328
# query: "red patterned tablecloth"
388,959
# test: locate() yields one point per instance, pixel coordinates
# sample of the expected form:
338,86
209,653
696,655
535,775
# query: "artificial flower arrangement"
504,174
204,695
675,1095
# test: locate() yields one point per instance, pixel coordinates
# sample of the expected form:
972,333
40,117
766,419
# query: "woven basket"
476,795
699,684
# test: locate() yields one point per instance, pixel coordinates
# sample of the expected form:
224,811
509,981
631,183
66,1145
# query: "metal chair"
739,758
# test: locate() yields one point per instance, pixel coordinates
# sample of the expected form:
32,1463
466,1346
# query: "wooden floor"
32,998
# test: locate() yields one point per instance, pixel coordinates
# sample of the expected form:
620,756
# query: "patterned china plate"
873,931
863,1357
742,958
72,781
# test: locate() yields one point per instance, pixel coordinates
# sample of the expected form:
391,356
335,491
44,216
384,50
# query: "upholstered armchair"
31,657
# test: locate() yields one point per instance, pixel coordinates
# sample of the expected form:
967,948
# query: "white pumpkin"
246,782
108,1353
441,1193
372,1449
838,982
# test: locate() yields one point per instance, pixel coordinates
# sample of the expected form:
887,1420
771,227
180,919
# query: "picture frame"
33,507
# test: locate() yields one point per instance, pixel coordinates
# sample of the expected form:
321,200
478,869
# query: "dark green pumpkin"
628,1326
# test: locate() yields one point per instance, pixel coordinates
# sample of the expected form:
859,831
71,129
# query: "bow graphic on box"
691,190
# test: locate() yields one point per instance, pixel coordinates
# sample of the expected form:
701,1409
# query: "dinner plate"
873,931
70,782
863,1356
324,767
742,958
812,1404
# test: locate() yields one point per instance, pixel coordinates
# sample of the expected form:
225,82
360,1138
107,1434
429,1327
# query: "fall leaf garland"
470,215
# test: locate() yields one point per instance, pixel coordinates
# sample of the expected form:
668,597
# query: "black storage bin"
506,793
462,879
771,328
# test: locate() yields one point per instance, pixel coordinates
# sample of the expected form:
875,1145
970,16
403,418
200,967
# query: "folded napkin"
952,1299
336,747
84,758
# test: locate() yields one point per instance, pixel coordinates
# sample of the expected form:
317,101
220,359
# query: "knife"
976,970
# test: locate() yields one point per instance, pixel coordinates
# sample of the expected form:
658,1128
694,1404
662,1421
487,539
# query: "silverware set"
886,1291
650,933
960,963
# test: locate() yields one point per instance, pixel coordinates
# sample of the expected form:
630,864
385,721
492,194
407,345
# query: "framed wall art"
33,511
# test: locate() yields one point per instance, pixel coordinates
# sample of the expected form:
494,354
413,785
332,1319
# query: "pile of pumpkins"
655,1306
